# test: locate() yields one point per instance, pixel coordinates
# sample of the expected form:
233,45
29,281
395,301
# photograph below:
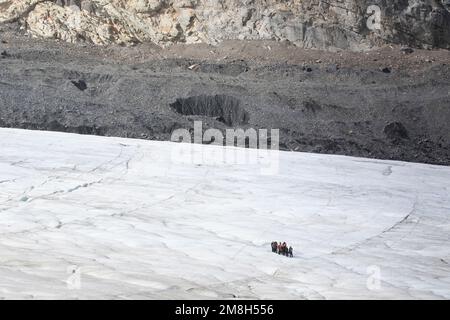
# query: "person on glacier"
274,246
284,249
279,248
291,252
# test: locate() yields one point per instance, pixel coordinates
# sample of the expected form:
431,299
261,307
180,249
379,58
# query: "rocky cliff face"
346,24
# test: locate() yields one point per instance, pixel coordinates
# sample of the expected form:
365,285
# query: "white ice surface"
134,223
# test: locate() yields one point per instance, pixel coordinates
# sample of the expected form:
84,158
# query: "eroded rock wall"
324,24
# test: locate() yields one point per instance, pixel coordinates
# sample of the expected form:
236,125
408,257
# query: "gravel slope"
380,104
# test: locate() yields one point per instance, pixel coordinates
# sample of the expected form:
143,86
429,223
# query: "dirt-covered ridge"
345,24
391,103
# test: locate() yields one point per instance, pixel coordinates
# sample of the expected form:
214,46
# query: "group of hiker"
282,248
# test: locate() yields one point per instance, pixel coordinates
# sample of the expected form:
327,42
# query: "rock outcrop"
324,24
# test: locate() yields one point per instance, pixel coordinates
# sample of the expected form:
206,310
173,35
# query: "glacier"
89,217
